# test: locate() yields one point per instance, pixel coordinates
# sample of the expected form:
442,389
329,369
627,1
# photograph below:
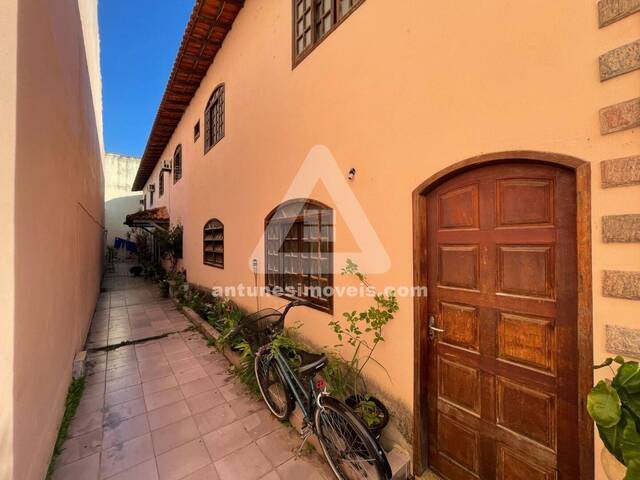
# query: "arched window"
299,252
214,119
177,164
213,243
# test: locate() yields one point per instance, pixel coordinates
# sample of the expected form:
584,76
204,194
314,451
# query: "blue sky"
139,42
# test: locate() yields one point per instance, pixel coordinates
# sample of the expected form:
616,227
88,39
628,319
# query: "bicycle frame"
306,400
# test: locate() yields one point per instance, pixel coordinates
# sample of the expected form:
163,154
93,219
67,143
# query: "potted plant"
614,404
363,331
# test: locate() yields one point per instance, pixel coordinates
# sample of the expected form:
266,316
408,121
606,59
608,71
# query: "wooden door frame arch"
582,170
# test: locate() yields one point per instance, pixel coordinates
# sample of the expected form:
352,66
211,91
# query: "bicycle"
350,449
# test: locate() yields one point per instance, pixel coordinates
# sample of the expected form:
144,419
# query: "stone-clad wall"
621,172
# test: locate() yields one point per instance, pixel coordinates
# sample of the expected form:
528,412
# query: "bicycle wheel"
352,453
272,387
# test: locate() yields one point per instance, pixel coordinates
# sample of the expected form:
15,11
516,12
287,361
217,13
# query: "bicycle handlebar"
294,303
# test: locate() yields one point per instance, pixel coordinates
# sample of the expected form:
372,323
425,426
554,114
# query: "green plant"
246,372
170,243
74,395
363,330
615,407
338,373
141,239
286,345
367,410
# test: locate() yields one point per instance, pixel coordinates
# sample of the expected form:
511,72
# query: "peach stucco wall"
399,92
8,86
51,208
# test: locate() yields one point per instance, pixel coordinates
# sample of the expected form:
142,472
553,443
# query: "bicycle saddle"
311,362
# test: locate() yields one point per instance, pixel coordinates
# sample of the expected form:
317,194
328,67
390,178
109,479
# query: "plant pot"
612,466
376,430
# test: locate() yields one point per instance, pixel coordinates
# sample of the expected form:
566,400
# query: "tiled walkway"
169,409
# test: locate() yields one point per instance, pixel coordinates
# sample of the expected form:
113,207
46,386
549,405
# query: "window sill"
214,265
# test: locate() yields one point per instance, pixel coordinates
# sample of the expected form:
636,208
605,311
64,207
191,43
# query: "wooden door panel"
461,444
459,385
459,208
524,202
527,412
461,325
514,466
458,266
501,270
526,270
528,341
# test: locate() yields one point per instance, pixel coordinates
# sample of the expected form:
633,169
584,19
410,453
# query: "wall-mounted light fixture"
351,174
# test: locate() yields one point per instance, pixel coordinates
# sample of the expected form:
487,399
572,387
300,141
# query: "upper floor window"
177,164
299,252
214,119
314,19
152,189
161,183
196,131
213,243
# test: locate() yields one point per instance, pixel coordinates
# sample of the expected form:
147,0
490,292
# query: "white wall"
119,200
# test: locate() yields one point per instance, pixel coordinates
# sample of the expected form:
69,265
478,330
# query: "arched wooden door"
502,383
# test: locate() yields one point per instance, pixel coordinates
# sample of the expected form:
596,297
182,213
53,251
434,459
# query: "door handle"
432,327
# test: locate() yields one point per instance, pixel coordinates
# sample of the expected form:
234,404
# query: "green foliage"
615,407
170,243
338,373
246,372
74,395
363,330
368,411
141,239
286,345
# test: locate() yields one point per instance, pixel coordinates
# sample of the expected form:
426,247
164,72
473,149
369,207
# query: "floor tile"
154,371
271,476
248,463
85,469
85,423
298,468
89,405
245,406
278,446
215,418
115,415
190,375
261,423
124,395
144,471
159,384
184,460
197,386
123,382
205,401
166,415
174,435
124,431
226,440
163,398
126,455
207,473
81,446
